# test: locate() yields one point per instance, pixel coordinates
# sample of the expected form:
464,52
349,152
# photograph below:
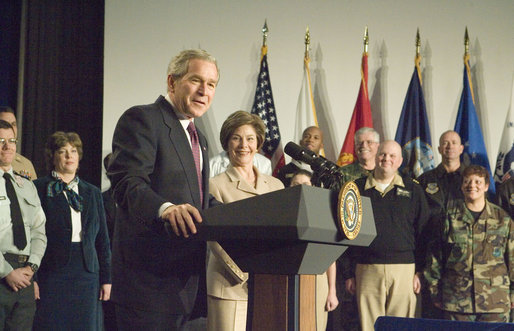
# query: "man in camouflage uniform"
470,269
366,140
442,189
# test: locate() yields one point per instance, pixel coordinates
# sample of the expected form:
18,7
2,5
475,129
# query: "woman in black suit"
75,271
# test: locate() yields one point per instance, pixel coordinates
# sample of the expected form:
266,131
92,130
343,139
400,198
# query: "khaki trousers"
226,314
384,290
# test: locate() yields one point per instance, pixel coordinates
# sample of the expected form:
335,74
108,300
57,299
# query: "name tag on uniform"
2,198
402,193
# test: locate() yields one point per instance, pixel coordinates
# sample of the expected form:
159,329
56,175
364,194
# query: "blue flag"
413,132
468,128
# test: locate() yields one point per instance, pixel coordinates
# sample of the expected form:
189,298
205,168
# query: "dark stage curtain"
10,12
63,81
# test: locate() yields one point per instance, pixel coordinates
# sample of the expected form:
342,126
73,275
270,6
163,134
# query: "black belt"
21,259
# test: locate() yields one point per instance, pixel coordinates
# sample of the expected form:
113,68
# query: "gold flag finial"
418,42
265,33
466,42
366,39
307,42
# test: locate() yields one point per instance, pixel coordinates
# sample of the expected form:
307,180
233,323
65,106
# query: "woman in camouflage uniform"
470,268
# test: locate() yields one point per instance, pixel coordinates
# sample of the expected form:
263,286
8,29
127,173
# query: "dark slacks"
133,319
16,308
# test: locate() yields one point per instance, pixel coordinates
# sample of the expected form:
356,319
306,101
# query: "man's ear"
171,83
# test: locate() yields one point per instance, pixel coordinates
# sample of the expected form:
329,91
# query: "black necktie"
18,229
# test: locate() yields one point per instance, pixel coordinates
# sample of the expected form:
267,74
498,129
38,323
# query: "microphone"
324,168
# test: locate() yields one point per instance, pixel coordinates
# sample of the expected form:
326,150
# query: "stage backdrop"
142,36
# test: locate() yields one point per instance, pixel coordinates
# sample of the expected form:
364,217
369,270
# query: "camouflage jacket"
350,172
470,268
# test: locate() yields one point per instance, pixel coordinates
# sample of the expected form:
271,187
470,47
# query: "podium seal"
349,210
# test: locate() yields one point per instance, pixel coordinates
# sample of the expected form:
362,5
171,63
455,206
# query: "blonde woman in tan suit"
242,135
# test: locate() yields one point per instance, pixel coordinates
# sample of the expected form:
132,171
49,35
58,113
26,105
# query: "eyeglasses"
10,141
369,142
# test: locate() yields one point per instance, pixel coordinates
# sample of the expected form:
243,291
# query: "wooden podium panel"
283,302
270,302
307,303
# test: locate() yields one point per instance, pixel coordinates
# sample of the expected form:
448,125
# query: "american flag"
264,107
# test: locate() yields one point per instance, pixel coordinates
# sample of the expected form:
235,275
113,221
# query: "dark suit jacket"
152,163
95,241
110,211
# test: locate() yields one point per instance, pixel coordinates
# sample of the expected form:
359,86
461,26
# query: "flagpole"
466,43
307,61
307,43
364,76
265,33
418,43
466,63
264,48
366,40
417,59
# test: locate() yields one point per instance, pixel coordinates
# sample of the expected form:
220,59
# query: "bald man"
442,184
386,275
442,190
312,139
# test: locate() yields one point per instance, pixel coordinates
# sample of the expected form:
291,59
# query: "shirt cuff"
163,208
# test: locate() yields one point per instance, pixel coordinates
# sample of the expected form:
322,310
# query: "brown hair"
476,170
238,119
60,139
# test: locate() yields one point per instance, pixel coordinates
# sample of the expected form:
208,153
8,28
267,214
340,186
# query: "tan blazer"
224,278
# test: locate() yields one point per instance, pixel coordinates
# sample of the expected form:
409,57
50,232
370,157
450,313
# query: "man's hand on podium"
182,219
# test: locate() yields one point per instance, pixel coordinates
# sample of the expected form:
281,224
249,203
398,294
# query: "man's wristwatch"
32,266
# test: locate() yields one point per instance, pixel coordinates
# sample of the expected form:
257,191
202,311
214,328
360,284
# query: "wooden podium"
283,239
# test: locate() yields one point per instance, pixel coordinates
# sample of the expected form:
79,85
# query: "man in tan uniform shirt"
20,163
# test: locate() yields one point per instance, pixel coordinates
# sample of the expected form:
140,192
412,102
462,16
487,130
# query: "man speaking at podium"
384,276
160,174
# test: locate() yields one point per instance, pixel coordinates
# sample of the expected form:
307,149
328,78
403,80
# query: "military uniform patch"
511,200
432,188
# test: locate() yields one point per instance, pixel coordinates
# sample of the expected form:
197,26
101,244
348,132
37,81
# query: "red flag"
361,117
